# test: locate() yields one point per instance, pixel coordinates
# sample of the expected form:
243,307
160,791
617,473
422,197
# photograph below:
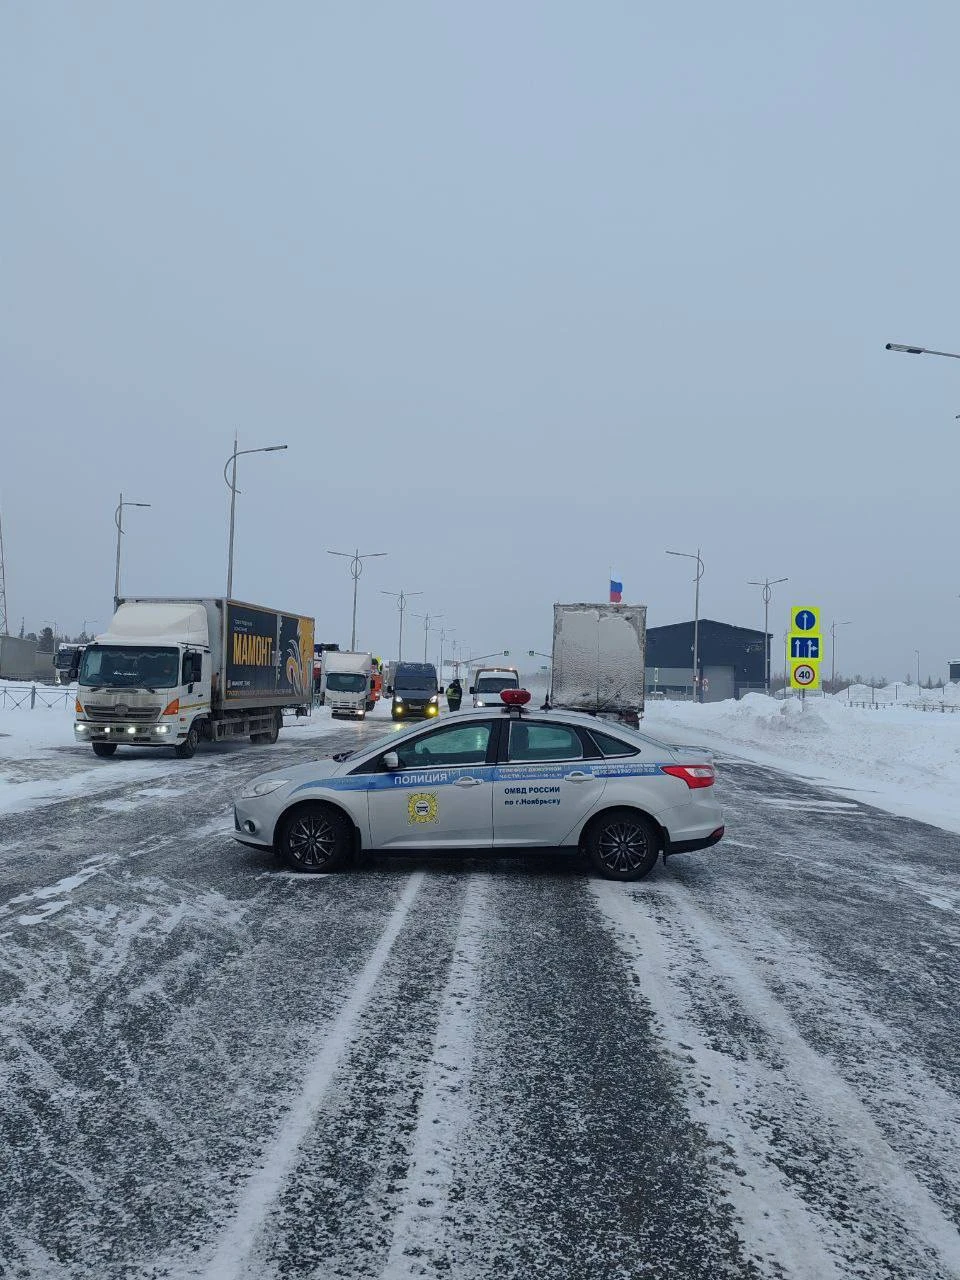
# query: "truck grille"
106,714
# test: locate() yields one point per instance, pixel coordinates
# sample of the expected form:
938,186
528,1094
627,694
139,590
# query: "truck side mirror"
472,689
389,689
72,674
391,760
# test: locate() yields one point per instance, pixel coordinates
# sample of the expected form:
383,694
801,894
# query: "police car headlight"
262,787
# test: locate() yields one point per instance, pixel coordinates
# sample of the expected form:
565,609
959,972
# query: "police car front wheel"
623,844
315,838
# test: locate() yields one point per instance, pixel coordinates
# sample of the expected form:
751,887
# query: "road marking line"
255,1206
810,1074
444,1111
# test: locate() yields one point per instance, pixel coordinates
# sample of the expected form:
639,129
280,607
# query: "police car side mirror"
391,760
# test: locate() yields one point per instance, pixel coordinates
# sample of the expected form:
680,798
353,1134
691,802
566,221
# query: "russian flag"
616,592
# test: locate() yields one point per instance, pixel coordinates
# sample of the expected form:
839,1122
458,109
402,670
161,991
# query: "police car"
487,779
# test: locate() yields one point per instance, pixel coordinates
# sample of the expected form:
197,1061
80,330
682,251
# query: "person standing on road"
454,694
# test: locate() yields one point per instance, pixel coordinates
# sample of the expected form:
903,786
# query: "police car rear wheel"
315,838
623,845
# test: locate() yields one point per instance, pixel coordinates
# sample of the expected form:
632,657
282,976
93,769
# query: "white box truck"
170,672
599,655
347,682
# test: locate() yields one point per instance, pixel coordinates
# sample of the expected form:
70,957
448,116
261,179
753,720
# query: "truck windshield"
130,667
65,658
346,682
496,684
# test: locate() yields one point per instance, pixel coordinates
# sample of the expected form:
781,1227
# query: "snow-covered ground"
901,759
41,763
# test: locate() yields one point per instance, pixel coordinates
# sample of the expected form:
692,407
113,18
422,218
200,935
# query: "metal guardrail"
29,697
912,706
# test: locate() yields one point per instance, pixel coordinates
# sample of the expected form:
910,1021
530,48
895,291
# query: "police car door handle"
579,776
468,782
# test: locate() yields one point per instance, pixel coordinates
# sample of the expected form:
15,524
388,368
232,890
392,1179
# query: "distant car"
484,779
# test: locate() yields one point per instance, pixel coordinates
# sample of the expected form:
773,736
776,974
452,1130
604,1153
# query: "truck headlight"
435,698
398,700
262,787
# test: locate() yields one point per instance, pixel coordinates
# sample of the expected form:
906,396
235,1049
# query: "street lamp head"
274,448
911,351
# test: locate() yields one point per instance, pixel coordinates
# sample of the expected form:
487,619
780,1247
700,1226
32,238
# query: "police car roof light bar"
515,697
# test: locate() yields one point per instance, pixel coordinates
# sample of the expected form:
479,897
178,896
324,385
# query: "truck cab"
347,686
489,682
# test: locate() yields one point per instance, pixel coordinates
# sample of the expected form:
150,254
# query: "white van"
489,682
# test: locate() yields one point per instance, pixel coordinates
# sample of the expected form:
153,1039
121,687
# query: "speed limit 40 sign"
804,675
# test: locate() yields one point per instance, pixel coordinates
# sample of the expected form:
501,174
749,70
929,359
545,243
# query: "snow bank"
903,760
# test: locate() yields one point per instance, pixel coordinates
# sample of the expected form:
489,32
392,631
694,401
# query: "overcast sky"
532,291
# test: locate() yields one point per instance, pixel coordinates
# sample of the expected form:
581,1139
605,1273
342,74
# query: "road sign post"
804,648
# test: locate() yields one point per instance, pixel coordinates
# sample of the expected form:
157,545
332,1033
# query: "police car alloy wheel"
315,838
623,845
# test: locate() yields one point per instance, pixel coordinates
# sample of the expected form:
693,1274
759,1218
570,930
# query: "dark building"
731,659
955,669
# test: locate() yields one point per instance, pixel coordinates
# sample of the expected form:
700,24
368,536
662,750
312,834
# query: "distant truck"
66,663
488,683
599,653
170,672
350,684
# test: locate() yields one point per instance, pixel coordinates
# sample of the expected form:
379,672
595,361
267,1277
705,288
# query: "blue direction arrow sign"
805,647
805,620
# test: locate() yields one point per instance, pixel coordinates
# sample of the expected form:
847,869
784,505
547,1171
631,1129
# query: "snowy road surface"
746,1065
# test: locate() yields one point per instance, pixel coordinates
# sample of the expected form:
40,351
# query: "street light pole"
920,351
118,521
917,652
767,593
688,555
232,486
356,568
401,598
428,620
443,636
833,658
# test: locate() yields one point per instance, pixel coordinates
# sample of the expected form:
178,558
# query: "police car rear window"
609,746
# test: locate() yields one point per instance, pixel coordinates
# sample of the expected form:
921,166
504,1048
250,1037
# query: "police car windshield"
380,744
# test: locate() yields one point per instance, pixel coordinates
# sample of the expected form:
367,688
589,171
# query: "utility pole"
401,598
688,555
766,584
232,486
833,655
118,521
428,620
3,586
356,568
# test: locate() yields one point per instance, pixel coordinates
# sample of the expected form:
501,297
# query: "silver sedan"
486,779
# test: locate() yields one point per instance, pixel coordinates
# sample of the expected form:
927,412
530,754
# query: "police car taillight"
515,697
694,775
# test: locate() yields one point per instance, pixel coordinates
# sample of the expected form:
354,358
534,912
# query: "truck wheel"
188,747
315,838
371,705
272,734
104,748
622,844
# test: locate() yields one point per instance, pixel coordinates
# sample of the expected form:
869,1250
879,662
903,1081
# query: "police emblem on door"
422,807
